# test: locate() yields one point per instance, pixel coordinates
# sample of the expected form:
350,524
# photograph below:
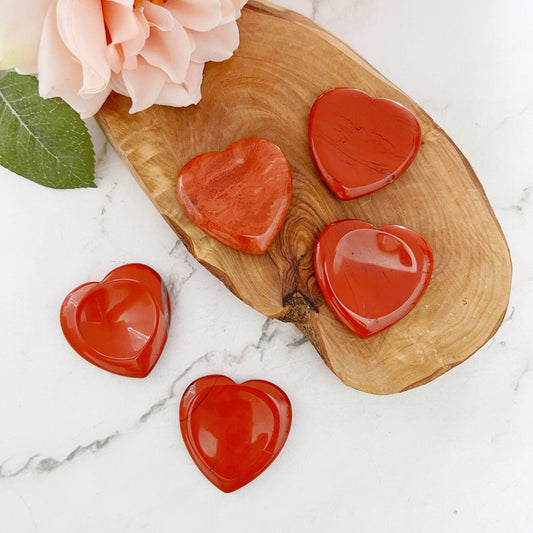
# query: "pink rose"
153,52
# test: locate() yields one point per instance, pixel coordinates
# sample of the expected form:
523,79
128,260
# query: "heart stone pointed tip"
121,323
359,143
239,196
233,432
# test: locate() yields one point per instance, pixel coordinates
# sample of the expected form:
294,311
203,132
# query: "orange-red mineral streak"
239,196
360,144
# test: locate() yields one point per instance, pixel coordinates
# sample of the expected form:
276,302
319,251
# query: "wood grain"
266,90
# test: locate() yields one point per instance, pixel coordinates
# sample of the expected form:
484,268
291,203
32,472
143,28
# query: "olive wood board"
266,90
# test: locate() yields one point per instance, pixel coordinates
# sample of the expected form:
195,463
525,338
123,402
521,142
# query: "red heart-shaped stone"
239,196
371,277
121,323
233,432
360,143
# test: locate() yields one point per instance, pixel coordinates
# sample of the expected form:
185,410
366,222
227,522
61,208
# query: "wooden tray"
266,90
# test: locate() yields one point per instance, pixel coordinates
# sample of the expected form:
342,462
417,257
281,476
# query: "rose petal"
120,21
128,30
81,26
158,16
215,45
185,94
153,53
126,3
229,13
170,51
199,15
177,96
239,4
60,74
117,84
132,48
231,10
143,85
193,80
115,57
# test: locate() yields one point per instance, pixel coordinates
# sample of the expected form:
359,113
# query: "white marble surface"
86,451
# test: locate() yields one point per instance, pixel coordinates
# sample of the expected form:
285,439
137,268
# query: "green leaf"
43,140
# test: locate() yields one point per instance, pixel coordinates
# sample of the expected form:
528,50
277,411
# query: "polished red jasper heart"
239,196
360,144
233,432
371,277
121,323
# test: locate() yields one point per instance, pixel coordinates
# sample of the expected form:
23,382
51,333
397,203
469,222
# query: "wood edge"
446,368
284,13
101,121
479,186
306,327
296,311
263,6
218,273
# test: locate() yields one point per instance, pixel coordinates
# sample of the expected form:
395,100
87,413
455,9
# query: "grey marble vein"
525,371
15,473
179,252
519,114
524,200
108,199
163,402
48,464
314,9
101,156
298,342
270,330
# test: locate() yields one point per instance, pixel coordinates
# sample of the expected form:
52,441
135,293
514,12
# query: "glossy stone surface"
371,277
360,144
121,323
239,196
234,432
